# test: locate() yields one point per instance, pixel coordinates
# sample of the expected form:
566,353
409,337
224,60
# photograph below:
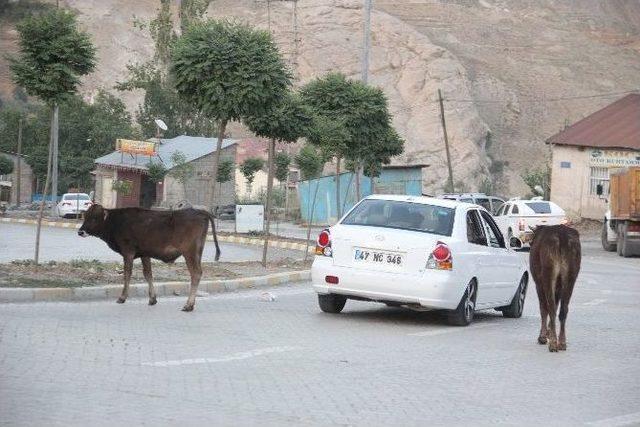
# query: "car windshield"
402,215
76,197
539,207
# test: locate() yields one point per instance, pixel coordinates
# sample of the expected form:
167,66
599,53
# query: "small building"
122,179
392,180
9,183
585,152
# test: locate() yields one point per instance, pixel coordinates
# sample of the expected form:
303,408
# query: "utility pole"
366,47
446,141
19,165
54,162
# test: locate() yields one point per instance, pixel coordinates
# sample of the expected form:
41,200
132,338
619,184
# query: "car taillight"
633,227
440,258
521,224
323,244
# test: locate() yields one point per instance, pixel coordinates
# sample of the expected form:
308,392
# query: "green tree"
182,170
539,180
228,71
6,165
311,162
286,121
249,168
156,172
53,55
225,173
282,162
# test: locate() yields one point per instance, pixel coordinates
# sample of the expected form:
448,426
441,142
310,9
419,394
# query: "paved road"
63,244
237,360
283,229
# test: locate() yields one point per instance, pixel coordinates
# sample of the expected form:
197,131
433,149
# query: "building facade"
584,154
9,183
122,180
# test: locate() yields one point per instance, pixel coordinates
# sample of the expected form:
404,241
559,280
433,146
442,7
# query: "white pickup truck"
518,218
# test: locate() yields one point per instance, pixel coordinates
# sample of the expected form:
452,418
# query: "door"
147,192
478,252
503,262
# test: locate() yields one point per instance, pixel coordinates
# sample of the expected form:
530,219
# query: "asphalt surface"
241,360
64,244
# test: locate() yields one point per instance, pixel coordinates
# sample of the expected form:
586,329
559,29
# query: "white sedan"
421,253
73,204
518,218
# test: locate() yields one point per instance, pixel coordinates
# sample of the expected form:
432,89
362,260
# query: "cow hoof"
187,308
562,346
542,340
153,301
553,347
121,300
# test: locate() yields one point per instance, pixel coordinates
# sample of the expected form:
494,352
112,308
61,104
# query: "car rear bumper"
433,288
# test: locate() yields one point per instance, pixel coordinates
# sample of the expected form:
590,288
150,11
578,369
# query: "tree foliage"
156,171
310,161
229,71
250,167
282,162
225,171
6,165
54,54
538,178
182,170
286,121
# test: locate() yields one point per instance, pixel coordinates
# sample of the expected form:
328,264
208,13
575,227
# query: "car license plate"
368,256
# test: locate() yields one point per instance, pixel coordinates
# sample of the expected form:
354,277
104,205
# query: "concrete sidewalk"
8,295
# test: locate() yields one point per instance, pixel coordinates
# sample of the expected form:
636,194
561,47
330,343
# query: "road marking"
448,330
596,301
622,420
230,358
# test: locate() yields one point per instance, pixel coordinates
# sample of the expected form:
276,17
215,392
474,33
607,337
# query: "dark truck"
621,228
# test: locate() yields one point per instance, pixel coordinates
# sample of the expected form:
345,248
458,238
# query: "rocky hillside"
512,72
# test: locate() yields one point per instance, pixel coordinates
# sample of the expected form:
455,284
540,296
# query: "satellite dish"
162,125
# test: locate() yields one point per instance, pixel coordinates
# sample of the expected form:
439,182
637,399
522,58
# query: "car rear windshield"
76,197
539,207
402,215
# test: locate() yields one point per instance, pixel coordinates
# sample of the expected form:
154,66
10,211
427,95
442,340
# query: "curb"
141,289
282,244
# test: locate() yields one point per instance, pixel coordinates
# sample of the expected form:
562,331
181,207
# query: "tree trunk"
216,162
19,164
313,208
272,149
44,193
338,189
55,155
357,172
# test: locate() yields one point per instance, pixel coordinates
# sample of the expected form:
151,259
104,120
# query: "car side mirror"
599,189
515,243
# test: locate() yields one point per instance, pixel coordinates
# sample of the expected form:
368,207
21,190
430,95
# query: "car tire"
609,247
463,314
331,303
619,240
625,250
515,309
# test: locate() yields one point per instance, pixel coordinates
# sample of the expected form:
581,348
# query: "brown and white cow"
145,234
554,262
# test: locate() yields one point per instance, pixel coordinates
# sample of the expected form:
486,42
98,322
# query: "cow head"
94,220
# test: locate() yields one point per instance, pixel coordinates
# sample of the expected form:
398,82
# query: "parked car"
421,253
518,218
225,212
73,204
490,203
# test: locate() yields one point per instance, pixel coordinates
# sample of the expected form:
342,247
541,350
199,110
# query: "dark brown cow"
143,233
554,261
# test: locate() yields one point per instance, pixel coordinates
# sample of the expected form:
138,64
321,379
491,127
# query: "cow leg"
564,309
128,267
542,338
148,276
551,310
195,270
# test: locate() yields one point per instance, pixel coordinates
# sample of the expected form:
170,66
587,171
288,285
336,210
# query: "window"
540,207
496,205
475,230
600,176
402,215
515,210
495,236
503,210
485,203
76,197
466,200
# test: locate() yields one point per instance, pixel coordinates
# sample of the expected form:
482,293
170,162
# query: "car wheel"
514,310
331,303
463,314
619,240
609,247
625,250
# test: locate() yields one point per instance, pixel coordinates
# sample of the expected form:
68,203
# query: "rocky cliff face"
511,71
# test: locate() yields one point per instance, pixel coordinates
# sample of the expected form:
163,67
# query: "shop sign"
148,148
614,158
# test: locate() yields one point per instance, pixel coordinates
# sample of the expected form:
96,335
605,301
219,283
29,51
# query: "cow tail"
215,237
